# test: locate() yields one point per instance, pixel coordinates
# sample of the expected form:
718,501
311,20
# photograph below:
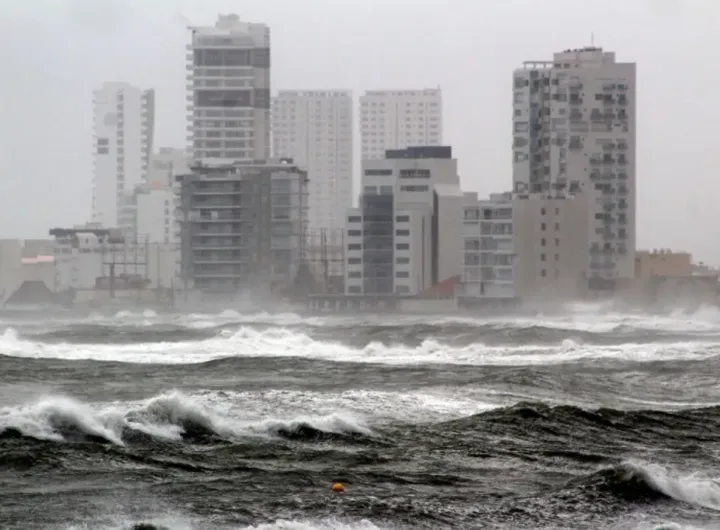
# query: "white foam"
694,488
231,414
280,342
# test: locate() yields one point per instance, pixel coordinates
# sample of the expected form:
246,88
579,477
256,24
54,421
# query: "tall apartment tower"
574,132
396,119
229,91
315,129
123,130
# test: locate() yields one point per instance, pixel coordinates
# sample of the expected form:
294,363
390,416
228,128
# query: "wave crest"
167,417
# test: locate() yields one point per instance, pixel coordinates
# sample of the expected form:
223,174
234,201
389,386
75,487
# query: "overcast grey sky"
54,52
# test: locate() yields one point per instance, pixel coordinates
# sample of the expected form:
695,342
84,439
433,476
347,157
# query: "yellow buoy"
338,488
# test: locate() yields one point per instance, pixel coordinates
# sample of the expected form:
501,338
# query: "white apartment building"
123,130
229,91
406,236
149,209
574,131
489,250
315,129
84,256
396,119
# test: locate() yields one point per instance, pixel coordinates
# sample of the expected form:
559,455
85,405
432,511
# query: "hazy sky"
54,52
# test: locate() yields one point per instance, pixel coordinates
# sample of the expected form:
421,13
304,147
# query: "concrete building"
574,131
550,245
315,129
86,257
664,262
243,226
410,198
229,91
396,119
123,131
489,249
11,275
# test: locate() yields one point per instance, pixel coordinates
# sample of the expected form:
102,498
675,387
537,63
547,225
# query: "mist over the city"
359,265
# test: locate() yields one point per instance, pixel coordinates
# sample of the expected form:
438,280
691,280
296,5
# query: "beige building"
662,262
550,243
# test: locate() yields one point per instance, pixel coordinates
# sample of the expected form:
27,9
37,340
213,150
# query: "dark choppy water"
232,422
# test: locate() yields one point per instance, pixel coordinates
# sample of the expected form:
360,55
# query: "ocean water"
587,420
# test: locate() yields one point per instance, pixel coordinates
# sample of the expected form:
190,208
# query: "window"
354,219
543,226
355,274
402,232
542,211
402,289
414,188
102,150
542,257
542,242
354,289
402,219
543,273
415,173
557,226
402,261
402,274
354,261
378,172
402,246
557,242
354,246
354,233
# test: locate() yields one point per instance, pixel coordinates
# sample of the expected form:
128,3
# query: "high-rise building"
396,119
123,130
409,198
315,129
574,132
229,91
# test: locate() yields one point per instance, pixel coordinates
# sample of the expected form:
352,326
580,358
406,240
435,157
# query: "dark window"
354,219
402,246
354,274
223,98
354,232
354,261
542,242
102,150
355,246
223,57
261,57
402,219
402,261
354,289
402,232
402,274
378,172
103,141
543,273
414,188
557,226
543,226
415,173
542,211
542,257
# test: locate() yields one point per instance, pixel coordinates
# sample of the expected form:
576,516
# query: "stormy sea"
589,419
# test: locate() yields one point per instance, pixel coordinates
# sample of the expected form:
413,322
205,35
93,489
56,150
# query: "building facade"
488,247
574,132
229,91
242,226
86,257
396,119
409,199
315,129
550,244
123,131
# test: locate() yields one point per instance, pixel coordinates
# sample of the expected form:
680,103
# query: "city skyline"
472,126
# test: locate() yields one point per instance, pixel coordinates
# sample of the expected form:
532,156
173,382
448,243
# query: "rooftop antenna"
592,39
